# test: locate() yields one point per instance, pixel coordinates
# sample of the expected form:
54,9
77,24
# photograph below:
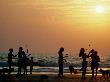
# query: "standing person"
24,63
31,65
60,62
10,55
84,66
20,54
92,55
84,62
97,60
94,62
71,69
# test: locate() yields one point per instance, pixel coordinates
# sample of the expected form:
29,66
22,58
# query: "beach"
51,78
52,73
47,68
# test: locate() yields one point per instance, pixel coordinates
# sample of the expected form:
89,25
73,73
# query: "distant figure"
20,54
31,65
60,62
94,62
10,55
84,66
71,69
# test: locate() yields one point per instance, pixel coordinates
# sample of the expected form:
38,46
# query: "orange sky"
45,25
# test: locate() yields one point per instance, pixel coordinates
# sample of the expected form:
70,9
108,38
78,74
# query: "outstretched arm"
15,55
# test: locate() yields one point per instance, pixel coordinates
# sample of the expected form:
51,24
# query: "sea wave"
52,61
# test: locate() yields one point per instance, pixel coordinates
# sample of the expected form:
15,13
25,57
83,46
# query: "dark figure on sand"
31,65
10,55
95,61
21,54
5,71
84,62
71,69
60,62
25,63
84,66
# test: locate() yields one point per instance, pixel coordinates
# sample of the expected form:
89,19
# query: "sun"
99,9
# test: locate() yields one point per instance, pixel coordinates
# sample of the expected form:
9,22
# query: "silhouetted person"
60,62
71,69
92,55
31,65
94,62
20,54
10,55
25,62
84,66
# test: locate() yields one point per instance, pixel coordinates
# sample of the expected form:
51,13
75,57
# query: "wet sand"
51,78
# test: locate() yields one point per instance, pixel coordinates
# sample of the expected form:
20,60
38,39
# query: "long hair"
61,50
81,53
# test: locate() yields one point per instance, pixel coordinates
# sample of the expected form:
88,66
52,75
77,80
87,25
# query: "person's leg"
92,68
19,67
62,72
24,70
18,70
30,71
85,74
96,70
9,65
82,74
59,71
92,73
71,71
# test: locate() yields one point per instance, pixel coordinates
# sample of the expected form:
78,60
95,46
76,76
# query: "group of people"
94,63
23,60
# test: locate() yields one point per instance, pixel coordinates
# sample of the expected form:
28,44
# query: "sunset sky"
45,25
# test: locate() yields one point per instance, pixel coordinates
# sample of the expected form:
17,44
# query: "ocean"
49,63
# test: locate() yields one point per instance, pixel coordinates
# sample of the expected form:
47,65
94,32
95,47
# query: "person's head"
81,53
61,49
92,51
20,48
95,52
11,49
82,50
